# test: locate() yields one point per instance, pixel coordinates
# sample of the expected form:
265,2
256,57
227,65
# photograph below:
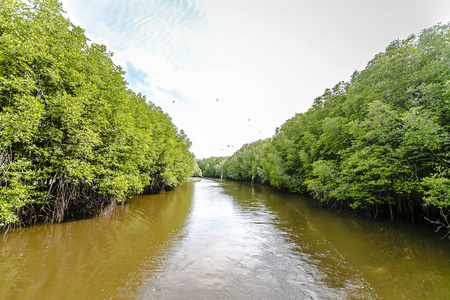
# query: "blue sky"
229,72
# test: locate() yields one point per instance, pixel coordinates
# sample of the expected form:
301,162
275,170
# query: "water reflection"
397,260
215,239
91,259
236,247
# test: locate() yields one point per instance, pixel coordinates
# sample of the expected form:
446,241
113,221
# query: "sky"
229,72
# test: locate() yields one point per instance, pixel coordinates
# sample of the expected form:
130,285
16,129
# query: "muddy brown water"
213,239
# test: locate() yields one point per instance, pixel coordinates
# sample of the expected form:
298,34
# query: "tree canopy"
379,143
73,136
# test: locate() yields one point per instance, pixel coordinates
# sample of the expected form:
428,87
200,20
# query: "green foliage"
246,163
72,135
379,143
212,166
197,172
437,189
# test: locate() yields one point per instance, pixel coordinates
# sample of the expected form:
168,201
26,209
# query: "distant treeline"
379,143
73,137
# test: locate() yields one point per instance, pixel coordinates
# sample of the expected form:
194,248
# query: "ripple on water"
222,240
231,251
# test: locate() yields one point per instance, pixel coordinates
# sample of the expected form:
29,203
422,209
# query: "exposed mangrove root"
410,209
69,200
156,185
442,225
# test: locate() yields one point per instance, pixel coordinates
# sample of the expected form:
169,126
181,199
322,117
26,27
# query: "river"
213,239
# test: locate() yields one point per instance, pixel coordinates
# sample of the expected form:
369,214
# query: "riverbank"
83,204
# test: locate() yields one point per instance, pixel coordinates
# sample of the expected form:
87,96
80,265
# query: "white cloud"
264,60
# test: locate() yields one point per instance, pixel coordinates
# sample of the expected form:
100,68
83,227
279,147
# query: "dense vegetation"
73,137
379,143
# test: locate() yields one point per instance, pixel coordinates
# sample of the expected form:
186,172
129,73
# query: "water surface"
214,239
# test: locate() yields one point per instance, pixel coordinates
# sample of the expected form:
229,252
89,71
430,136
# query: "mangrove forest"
74,138
379,144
